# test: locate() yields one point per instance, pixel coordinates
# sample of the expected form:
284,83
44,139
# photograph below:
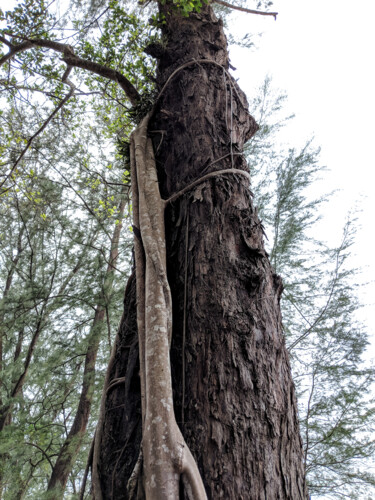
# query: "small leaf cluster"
185,7
28,19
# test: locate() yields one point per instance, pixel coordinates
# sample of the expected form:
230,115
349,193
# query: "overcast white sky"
321,52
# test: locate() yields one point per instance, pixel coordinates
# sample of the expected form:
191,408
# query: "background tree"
58,300
326,341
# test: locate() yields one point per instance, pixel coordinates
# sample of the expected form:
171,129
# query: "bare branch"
14,49
106,72
248,11
88,465
73,60
18,86
42,451
325,307
4,40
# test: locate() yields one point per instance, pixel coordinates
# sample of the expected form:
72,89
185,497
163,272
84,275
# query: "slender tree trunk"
70,449
8,284
233,394
43,314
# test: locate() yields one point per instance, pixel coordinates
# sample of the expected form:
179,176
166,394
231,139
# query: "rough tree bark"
233,394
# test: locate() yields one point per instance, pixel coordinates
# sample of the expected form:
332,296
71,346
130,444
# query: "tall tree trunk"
233,394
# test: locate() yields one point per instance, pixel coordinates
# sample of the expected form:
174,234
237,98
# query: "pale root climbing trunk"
233,396
166,456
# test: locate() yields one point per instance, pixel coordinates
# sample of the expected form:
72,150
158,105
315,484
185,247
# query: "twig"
85,28
248,11
324,309
86,473
7,85
42,451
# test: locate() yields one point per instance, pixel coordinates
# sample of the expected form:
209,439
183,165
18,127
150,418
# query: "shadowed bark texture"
233,394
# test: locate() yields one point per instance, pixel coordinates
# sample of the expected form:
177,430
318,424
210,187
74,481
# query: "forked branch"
71,59
43,127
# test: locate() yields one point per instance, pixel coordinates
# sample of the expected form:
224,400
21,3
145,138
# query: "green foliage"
29,19
185,7
54,273
327,344
119,44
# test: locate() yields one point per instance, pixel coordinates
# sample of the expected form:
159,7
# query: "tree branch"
18,86
324,309
73,60
4,40
14,49
42,451
248,11
106,72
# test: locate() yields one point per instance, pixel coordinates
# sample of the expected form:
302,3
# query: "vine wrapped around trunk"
164,451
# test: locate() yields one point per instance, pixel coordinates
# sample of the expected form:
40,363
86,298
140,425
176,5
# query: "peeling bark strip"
166,456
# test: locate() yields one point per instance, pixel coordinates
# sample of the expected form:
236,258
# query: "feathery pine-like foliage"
56,224
326,341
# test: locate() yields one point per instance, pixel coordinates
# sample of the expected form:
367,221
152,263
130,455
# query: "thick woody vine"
165,453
